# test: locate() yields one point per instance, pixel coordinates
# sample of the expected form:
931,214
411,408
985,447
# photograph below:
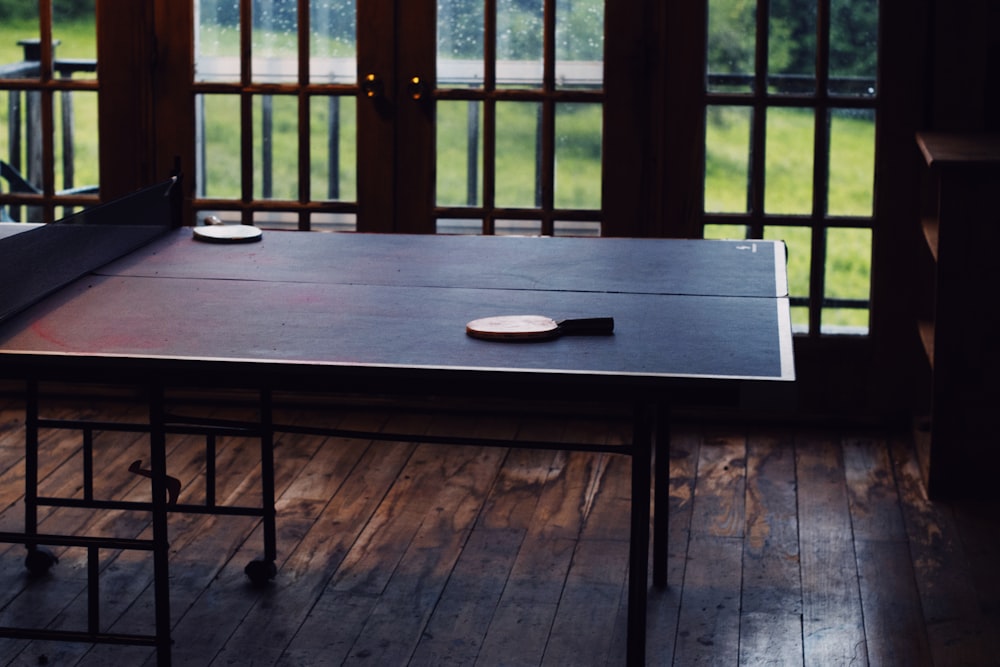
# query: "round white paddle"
216,231
537,327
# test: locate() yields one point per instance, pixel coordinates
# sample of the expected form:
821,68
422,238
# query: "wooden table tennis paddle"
216,231
513,328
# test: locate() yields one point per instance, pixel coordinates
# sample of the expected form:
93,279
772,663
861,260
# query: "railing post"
472,157
333,152
33,112
267,146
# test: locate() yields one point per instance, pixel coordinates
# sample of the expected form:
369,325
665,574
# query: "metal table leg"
161,537
661,495
642,437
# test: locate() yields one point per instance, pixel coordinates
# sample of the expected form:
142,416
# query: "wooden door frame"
414,166
146,124
376,49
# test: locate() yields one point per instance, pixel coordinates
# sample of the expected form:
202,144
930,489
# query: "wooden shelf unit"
957,322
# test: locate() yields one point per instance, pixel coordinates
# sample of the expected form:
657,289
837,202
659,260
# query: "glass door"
458,116
275,112
790,113
519,116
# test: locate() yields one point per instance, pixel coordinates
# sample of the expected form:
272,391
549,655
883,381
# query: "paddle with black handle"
516,328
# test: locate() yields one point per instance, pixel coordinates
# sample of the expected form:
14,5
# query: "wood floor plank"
68,578
203,549
771,574
978,523
791,545
584,627
265,622
958,631
664,605
770,638
455,631
771,619
319,516
416,584
398,537
708,627
523,620
11,436
720,499
893,617
833,630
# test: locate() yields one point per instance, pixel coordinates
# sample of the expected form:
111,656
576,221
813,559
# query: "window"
474,116
791,98
48,109
519,116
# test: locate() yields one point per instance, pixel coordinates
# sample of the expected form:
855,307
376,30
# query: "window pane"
275,41
332,45
798,246
459,154
576,228
227,217
853,47
459,226
852,163
77,158
578,156
731,38
332,148
798,243
6,99
460,43
789,161
276,141
517,227
20,24
847,276
219,173
284,220
20,141
217,40
74,29
519,43
791,58
727,159
714,231
334,222
580,43
517,150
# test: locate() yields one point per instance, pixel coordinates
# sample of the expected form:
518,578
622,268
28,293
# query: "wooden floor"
788,546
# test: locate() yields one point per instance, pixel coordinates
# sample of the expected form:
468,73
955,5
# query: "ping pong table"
695,320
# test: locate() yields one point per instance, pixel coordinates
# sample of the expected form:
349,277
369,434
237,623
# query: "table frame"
648,449
585,277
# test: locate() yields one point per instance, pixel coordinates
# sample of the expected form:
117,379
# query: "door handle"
372,87
415,87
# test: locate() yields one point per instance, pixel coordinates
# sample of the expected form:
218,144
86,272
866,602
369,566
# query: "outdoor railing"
25,143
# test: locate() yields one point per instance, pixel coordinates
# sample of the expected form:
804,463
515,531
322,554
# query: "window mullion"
304,128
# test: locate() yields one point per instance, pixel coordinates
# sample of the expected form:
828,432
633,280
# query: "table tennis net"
38,262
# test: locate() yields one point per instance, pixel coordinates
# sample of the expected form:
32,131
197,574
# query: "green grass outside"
788,190
75,40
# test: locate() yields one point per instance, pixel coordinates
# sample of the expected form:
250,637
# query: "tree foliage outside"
579,29
19,10
792,37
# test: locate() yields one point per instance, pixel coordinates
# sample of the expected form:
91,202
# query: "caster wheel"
39,561
259,572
